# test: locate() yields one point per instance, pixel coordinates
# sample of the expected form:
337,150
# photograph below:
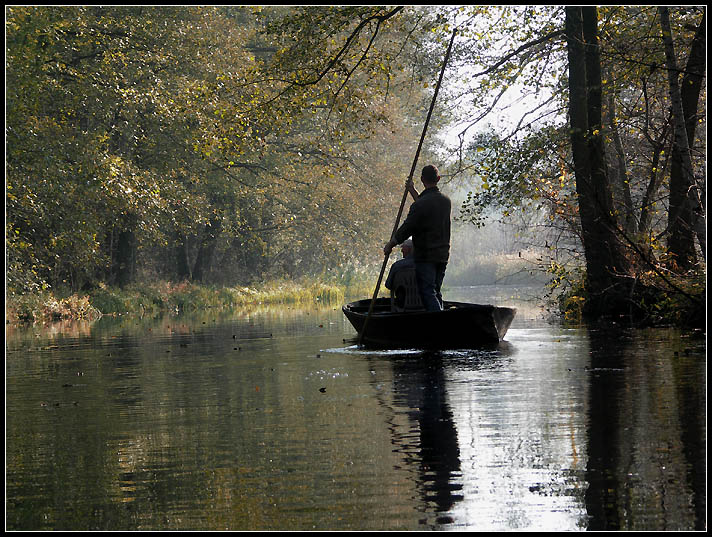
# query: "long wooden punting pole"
405,193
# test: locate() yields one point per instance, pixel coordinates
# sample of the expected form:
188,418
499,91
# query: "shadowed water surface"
274,419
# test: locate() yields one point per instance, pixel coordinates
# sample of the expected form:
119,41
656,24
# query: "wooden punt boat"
459,325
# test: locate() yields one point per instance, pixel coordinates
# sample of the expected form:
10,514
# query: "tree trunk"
646,211
691,87
204,259
182,262
605,262
123,271
685,207
623,202
658,145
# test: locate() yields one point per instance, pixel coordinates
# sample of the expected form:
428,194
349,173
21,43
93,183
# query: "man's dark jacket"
428,222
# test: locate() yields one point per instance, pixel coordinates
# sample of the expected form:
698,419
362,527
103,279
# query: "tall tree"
605,262
685,214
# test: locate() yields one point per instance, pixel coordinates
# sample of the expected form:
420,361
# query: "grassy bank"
166,297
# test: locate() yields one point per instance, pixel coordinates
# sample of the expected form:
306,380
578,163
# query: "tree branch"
347,45
518,51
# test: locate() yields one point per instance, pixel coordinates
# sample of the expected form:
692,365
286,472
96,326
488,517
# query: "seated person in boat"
406,262
402,282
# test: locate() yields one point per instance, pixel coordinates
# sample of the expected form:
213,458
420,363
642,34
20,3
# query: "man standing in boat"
428,222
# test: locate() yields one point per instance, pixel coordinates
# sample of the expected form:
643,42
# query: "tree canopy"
199,143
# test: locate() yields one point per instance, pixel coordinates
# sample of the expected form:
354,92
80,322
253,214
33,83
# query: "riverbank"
656,308
157,298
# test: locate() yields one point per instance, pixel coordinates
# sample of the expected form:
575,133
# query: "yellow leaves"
656,245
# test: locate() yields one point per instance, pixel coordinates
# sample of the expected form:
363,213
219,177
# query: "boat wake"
356,349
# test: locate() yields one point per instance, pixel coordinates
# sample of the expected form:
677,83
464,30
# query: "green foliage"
110,301
516,174
82,87
185,142
566,290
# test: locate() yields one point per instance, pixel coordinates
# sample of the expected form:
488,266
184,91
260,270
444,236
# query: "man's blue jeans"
430,278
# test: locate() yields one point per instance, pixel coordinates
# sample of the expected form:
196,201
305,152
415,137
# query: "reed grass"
167,297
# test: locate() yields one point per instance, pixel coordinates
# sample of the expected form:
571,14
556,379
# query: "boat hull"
459,325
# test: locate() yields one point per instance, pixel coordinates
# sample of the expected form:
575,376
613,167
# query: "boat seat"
405,295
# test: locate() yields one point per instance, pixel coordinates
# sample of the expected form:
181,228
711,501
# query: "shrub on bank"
44,306
646,300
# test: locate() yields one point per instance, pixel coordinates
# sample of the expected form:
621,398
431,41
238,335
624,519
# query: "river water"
273,419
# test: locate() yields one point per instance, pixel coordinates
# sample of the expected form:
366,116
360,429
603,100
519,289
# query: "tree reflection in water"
646,433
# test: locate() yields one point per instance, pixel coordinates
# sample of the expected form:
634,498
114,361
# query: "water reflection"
431,441
521,435
274,421
423,427
646,434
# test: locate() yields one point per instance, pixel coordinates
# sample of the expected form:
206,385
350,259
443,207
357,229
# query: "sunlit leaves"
184,125
83,85
514,175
